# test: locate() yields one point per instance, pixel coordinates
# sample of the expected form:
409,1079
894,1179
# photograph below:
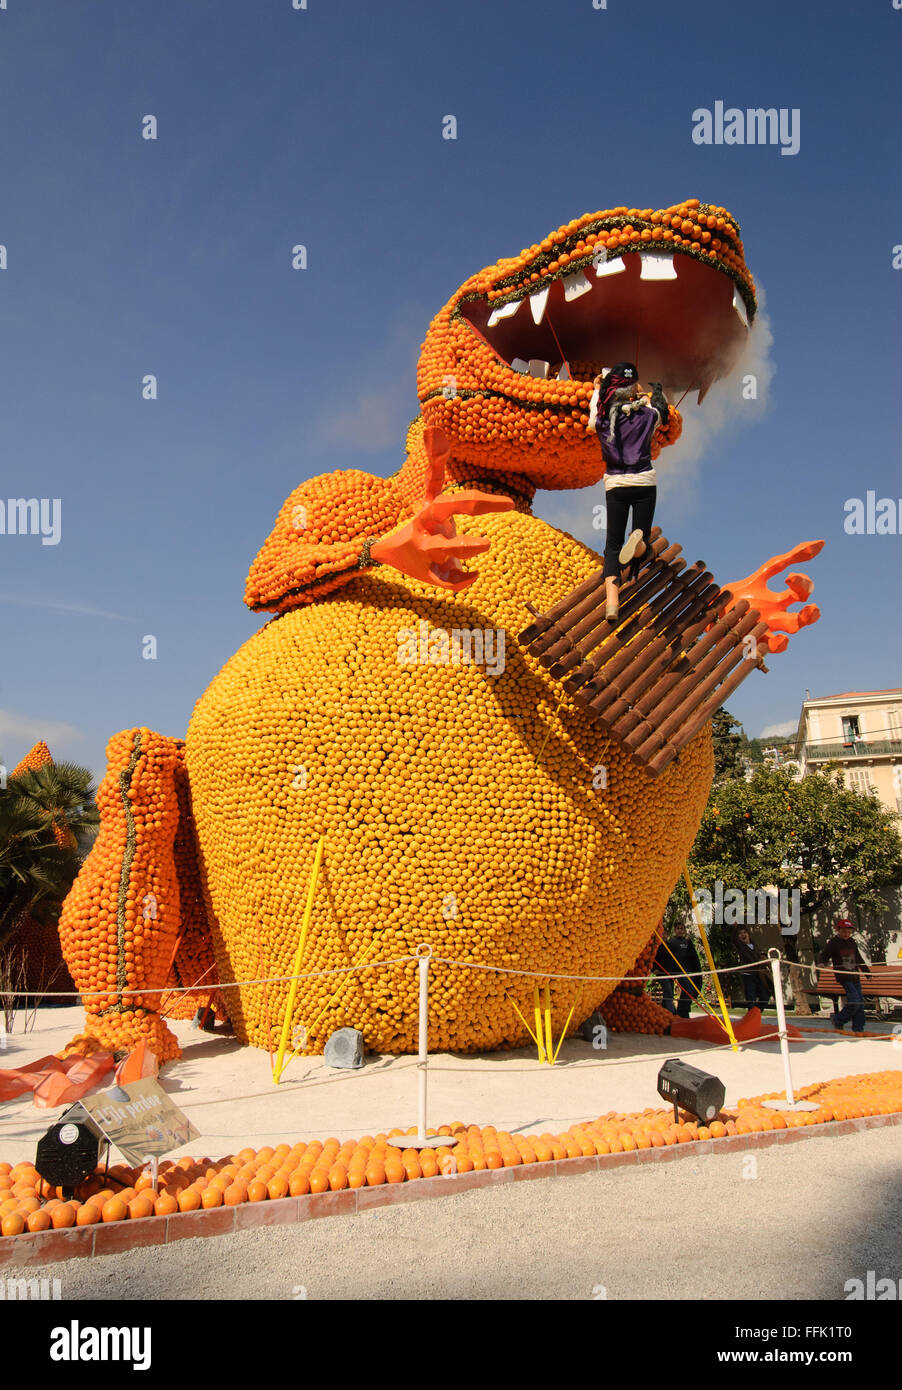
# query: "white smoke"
728,404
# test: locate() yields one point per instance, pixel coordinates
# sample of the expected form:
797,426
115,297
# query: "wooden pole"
658,762
592,628
674,683
722,662
638,616
641,655
584,590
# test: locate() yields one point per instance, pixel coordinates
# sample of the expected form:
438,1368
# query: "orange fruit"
211,1197
12,1224
256,1191
39,1220
64,1215
189,1199
140,1207
114,1210
165,1205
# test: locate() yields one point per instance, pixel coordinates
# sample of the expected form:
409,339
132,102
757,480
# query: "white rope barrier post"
422,1140
790,1103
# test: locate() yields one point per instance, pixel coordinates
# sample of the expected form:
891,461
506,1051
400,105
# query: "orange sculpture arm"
772,606
428,547
318,539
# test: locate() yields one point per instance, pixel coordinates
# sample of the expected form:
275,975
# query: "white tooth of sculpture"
657,267
576,285
537,303
613,267
504,312
564,373
519,365
538,368
739,306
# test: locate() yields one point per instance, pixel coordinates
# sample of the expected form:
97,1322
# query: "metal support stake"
790,1103
422,1140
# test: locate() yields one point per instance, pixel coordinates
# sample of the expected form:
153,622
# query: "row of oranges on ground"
29,1204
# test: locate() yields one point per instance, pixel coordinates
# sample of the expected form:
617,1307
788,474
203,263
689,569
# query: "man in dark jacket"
679,954
754,977
843,954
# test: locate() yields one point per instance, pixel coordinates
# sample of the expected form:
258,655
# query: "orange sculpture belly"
461,806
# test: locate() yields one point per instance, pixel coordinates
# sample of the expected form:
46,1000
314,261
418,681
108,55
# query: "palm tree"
48,818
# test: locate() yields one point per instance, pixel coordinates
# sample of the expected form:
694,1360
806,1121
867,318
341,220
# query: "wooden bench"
884,982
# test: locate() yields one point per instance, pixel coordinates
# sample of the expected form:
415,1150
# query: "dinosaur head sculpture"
507,366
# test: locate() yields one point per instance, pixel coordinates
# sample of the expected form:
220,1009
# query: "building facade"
860,731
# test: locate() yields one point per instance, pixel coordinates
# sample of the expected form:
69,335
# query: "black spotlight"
690,1089
70,1149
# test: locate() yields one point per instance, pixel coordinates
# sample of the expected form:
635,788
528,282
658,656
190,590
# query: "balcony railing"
859,748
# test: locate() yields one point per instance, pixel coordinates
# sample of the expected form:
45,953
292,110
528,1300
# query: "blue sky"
323,126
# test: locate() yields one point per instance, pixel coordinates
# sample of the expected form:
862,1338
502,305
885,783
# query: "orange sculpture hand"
772,606
428,547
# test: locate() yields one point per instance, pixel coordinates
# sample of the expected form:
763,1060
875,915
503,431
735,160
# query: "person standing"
625,423
678,954
754,977
843,954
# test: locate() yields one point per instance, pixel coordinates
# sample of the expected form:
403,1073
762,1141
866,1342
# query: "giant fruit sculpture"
386,707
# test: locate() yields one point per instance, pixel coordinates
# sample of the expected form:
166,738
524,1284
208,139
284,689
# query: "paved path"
792,1222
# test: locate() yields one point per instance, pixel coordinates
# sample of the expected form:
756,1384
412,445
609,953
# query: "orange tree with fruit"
386,706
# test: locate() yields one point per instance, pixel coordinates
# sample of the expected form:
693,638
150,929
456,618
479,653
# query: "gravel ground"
792,1222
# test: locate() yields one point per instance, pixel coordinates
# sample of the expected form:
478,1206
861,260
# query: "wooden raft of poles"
655,676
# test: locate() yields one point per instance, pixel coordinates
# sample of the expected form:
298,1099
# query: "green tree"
48,819
818,836
727,746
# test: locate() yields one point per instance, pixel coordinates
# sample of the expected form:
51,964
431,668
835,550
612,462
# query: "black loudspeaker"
690,1089
70,1149
344,1049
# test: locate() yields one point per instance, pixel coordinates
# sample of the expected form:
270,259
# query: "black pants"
618,501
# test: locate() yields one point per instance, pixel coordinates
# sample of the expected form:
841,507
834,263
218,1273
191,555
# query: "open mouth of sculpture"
682,322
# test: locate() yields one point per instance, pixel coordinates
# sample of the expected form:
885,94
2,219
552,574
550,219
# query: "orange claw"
772,606
428,547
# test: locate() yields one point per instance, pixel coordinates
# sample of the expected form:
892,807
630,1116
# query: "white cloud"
783,730
82,610
375,414
724,406
23,731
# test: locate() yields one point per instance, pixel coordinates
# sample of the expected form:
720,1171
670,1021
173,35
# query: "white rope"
212,986
209,988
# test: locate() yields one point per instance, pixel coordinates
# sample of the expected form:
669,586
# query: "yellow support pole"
342,985
563,1035
299,954
549,1040
704,936
522,1019
539,1029
700,1000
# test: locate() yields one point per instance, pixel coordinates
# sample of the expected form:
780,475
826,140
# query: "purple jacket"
628,449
